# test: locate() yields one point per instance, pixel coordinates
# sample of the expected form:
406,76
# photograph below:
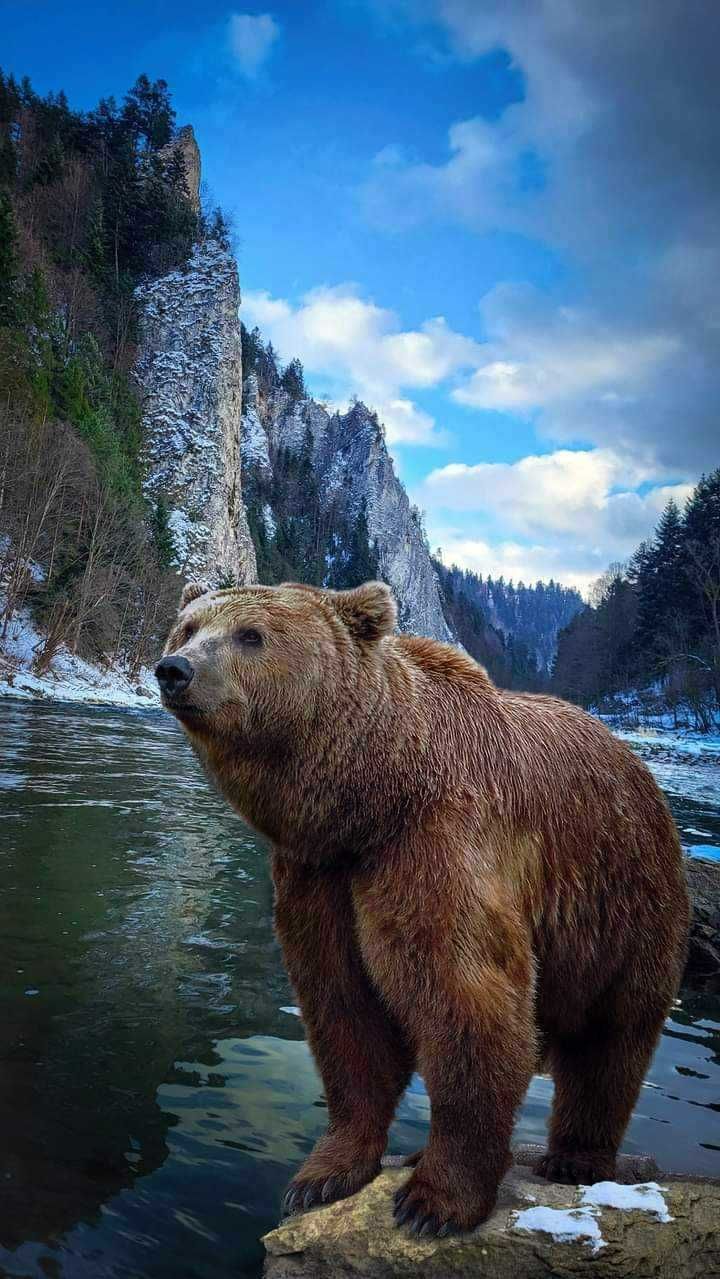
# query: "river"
157,1091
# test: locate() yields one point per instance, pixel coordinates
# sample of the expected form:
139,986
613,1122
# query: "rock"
190,378
353,468
537,1230
185,143
702,971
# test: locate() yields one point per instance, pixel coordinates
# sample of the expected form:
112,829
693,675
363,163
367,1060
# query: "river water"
157,1091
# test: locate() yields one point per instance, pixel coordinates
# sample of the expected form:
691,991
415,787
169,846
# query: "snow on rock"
190,379
565,1225
353,467
645,1196
254,444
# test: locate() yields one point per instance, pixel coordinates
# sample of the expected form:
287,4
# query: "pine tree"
148,113
8,262
252,347
218,229
701,554
662,588
267,368
162,533
293,380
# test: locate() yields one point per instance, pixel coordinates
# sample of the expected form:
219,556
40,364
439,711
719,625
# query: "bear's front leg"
453,961
360,1051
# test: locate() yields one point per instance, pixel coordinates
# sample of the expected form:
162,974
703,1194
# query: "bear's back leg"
598,1071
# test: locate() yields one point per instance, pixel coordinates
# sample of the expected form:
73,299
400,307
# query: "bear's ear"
368,611
192,591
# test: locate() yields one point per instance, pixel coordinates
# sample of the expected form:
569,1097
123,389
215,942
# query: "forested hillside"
120,396
512,629
654,623
298,535
90,205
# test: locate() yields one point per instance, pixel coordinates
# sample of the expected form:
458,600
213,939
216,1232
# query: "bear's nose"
173,674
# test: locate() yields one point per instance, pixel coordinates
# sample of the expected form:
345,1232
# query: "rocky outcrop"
669,1227
355,473
184,142
189,375
703,963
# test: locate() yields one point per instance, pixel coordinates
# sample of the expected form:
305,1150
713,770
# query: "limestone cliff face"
189,375
354,473
200,447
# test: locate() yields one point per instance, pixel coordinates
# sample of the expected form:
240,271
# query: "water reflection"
157,1090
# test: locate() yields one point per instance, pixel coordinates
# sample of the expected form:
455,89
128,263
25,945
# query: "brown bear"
468,882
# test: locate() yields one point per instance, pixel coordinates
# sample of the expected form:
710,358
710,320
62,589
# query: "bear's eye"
248,638
188,630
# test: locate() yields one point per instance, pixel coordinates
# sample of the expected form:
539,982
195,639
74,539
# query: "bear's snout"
173,674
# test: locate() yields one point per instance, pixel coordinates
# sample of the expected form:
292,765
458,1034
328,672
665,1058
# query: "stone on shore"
538,1230
703,961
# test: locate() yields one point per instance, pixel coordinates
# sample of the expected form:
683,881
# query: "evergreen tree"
162,533
267,368
218,229
361,561
8,262
293,380
663,587
148,113
252,348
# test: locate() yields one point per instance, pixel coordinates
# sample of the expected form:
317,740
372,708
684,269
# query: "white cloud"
583,492
572,512
514,560
482,168
358,347
252,37
611,159
540,355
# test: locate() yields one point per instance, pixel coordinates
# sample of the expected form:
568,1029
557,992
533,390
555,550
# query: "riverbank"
68,678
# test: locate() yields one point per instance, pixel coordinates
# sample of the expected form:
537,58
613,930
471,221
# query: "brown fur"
467,880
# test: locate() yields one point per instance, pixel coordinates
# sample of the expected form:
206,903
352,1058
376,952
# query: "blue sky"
495,222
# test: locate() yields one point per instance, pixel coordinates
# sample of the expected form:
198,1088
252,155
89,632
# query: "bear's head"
279,689
257,666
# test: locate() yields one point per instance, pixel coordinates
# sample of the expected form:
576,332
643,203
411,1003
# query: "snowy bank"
68,678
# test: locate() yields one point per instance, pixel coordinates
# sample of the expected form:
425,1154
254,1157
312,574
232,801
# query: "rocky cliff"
354,484
205,456
189,374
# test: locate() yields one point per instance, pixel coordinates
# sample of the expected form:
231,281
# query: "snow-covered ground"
69,678
686,764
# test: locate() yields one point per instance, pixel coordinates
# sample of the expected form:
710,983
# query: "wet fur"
467,881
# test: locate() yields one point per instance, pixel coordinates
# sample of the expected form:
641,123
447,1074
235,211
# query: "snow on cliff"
353,467
190,378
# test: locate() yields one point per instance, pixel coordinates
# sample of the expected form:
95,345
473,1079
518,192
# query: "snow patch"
269,520
644,1196
566,1225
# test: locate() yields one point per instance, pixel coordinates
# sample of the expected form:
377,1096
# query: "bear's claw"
414,1213
428,1211
302,1195
579,1168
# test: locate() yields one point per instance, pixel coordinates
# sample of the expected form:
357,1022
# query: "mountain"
511,629
148,437
324,501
